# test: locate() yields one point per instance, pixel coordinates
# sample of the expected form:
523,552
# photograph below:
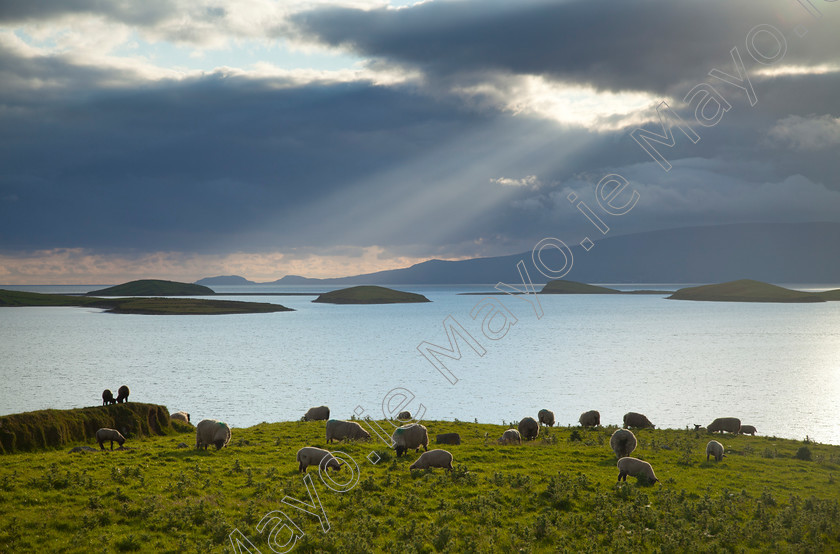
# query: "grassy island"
149,306
562,286
556,492
154,287
748,290
369,295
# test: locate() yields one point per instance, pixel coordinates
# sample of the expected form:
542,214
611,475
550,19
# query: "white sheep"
637,468
728,424
714,448
410,436
112,435
623,442
212,431
511,436
311,456
433,458
183,417
341,430
546,417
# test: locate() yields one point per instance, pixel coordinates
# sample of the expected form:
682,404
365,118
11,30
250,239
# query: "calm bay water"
776,366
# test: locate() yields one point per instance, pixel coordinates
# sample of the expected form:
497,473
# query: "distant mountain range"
776,253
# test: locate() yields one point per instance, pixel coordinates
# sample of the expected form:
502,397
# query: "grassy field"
557,492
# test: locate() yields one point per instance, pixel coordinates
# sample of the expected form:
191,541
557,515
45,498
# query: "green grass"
562,286
154,287
369,295
551,493
152,306
745,290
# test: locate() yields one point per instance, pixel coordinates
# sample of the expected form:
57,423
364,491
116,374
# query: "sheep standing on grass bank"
636,468
728,424
404,415
122,394
623,442
433,458
511,436
311,456
592,418
546,417
410,436
211,431
183,417
321,413
747,430
342,430
448,438
108,397
529,429
109,435
633,419
714,448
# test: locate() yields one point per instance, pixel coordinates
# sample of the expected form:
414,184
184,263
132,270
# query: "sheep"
342,430
404,415
529,428
592,418
433,458
510,436
633,419
448,438
321,413
108,397
546,417
747,430
728,424
623,443
699,428
410,436
211,431
311,456
180,416
122,394
636,467
714,448
109,435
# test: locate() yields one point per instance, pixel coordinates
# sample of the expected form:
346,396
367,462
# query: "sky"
182,139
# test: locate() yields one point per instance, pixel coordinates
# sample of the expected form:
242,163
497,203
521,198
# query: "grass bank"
558,492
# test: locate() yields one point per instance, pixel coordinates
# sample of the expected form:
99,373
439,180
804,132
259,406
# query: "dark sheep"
529,429
108,397
633,419
404,415
122,394
728,424
546,417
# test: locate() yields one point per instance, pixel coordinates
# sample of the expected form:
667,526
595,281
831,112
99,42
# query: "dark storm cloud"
147,12
648,45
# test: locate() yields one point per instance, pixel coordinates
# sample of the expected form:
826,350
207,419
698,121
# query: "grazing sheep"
180,416
728,424
108,397
699,427
410,436
404,415
511,436
592,418
109,435
342,430
623,442
546,417
433,458
714,448
448,438
747,430
529,429
311,456
321,413
122,394
212,431
632,419
636,468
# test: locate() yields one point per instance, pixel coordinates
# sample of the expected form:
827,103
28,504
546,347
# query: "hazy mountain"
225,280
776,253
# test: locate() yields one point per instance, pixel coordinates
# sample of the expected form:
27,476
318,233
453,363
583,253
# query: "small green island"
563,286
369,294
154,287
748,290
146,306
